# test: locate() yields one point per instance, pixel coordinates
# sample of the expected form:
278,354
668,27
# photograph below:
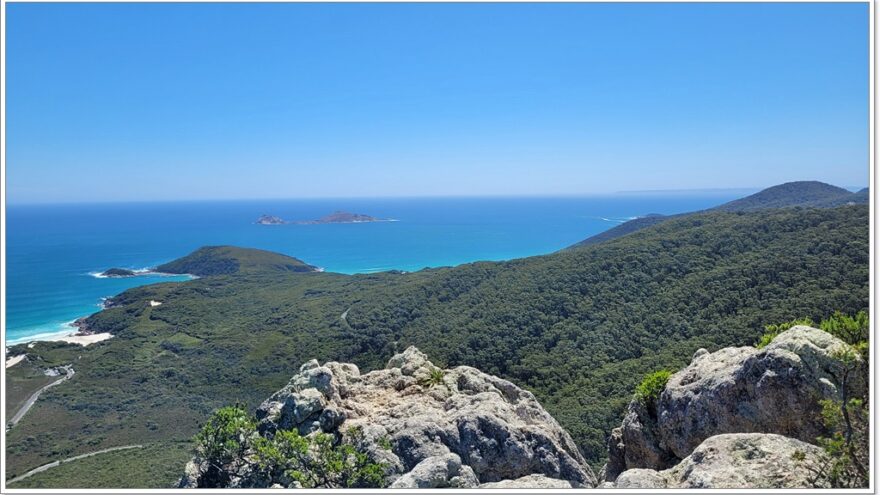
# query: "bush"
314,461
846,459
224,438
845,462
434,378
651,387
771,331
851,329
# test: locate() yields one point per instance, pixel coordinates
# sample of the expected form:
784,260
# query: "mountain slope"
808,194
802,193
578,328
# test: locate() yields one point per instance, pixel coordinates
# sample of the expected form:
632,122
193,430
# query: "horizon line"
700,190
402,197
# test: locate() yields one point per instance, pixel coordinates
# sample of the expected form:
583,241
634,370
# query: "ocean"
54,252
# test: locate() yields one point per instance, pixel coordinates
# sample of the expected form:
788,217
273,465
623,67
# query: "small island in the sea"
344,217
335,217
118,273
271,220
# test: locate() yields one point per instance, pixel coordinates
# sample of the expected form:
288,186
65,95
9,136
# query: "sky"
140,102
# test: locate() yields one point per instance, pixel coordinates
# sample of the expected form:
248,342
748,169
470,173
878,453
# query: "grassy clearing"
157,465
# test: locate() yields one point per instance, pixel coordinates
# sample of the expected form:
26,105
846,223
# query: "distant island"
335,217
270,220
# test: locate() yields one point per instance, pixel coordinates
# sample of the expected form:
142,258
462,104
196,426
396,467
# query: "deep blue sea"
53,251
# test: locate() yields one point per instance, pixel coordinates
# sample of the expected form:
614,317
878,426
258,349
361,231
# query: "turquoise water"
53,251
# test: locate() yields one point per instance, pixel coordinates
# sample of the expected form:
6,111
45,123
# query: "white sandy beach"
14,360
83,340
70,336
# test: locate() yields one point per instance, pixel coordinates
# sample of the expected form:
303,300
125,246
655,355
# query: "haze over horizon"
141,102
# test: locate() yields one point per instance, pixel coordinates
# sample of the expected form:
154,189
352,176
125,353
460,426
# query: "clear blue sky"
185,101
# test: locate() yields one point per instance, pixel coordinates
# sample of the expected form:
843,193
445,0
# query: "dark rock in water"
119,273
270,220
82,326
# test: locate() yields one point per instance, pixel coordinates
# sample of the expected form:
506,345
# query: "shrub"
315,461
651,387
851,329
771,331
846,459
224,438
434,378
384,442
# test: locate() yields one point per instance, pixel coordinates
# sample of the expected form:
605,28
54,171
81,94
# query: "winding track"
36,395
62,461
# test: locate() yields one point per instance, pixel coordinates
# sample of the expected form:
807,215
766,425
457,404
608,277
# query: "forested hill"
806,194
579,328
223,260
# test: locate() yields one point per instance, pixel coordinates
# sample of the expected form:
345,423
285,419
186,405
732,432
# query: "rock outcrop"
446,428
270,220
686,437
733,460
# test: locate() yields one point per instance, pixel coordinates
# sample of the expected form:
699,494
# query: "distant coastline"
52,283
736,191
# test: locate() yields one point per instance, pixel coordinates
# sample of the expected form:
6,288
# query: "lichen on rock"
774,390
432,428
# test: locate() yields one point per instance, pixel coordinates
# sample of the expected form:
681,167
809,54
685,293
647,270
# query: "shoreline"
144,272
72,332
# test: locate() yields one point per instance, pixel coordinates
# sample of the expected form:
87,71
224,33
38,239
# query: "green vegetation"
847,449
851,329
626,228
802,194
846,462
156,465
315,461
118,272
649,390
434,378
224,260
771,331
578,328
223,439
384,442
22,380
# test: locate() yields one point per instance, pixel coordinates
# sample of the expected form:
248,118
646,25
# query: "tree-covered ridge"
579,328
804,194
224,260
625,228
801,193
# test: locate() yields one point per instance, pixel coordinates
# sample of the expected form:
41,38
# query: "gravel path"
36,395
58,463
